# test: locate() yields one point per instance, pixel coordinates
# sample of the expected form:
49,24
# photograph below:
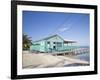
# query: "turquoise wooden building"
52,44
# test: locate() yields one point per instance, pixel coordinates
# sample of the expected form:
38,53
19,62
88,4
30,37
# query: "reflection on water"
85,57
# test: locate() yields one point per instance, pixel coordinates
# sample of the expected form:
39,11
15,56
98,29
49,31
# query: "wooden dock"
72,52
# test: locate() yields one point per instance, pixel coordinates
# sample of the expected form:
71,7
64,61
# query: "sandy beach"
43,60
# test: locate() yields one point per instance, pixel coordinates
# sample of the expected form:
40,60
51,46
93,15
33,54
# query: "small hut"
52,44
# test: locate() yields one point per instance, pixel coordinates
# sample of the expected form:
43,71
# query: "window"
48,42
59,44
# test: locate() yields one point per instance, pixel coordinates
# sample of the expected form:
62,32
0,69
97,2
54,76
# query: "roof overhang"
69,41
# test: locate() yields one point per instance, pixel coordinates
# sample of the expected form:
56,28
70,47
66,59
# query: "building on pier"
51,44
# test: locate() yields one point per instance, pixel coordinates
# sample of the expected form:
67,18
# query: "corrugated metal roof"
69,41
65,41
49,38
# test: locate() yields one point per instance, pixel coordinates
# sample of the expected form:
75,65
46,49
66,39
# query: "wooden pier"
72,52
81,51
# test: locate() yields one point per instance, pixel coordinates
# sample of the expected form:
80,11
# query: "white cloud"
63,29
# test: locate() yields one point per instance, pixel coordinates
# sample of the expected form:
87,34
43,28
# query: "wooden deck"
72,52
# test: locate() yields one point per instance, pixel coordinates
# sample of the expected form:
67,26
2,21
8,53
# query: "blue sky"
70,26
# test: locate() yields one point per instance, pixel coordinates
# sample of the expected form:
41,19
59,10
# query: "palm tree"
27,42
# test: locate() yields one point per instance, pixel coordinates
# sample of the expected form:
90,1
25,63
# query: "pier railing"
72,52
81,51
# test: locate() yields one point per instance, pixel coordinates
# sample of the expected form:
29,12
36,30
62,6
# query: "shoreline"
43,60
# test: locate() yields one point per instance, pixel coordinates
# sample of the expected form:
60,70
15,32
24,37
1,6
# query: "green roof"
48,38
54,36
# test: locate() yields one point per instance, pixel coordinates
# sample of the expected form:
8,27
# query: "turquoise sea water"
84,56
